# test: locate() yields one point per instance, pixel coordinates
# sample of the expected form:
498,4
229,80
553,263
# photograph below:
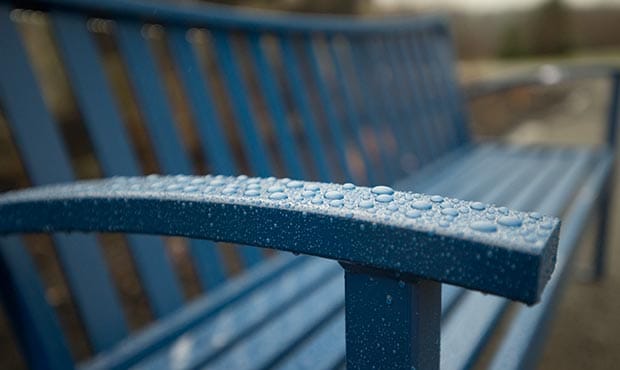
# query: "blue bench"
325,100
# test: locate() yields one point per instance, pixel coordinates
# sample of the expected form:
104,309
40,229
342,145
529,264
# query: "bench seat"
289,313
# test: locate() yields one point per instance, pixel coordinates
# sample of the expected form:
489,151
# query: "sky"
486,6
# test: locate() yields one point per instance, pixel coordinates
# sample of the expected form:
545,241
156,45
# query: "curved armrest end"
409,235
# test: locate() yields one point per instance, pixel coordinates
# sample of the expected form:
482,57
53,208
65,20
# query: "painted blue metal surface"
352,115
254,146
600,254
327,104
375,106
366,121
521,346
200,310
408,136
391,324
483,246
114,152
476,312
34,321
212,337
299,92
423,127
208,123
226,17
82,261
425,117
291,155
171,157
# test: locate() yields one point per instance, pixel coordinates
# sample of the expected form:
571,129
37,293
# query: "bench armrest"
552,75
542,76
405,235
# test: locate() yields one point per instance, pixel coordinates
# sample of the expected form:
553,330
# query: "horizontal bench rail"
470,244
222,16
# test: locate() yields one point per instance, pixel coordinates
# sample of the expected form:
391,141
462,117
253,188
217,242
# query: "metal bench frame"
384,286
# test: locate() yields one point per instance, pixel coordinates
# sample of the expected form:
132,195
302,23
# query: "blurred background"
492,39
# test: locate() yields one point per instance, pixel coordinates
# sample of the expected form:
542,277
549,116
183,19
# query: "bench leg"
600,250
605,199
391,324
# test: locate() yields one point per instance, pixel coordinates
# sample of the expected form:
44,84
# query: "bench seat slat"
210,339
464,346
526,332
264,348
165,332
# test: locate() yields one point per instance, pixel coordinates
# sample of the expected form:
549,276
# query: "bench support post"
605,198
391,324
600,248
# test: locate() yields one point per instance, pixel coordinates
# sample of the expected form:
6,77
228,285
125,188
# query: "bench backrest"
309,97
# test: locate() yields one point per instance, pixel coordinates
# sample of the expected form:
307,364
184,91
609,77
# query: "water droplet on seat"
252,193
278,196
421,204
384,198
535,215
546,225
388,299
450,212
333,194
336,203
275,189
381,189
312,187
413,213
483,226
478,206
294,184
366,203
348,186
437,198
512,221
229,190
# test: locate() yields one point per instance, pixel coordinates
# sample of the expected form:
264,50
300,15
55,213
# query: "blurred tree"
551,30
511,44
